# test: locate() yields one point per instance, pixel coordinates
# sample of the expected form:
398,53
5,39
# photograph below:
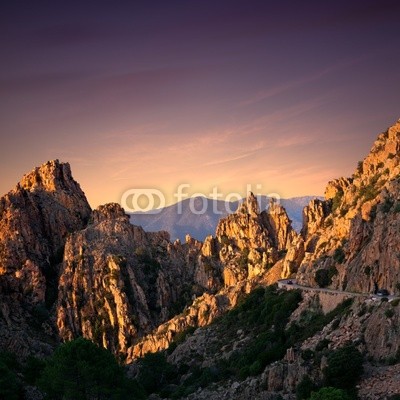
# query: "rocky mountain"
35,220
180,220
250,247
205,309
119,282
354,231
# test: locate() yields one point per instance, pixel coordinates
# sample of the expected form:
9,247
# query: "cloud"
268,93
228,160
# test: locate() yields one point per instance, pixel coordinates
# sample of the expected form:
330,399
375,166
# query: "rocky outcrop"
119,282
336,188
245,228
200,313
380,382
279,226
355,230
314,216
293,257
251,241
246,246
35,219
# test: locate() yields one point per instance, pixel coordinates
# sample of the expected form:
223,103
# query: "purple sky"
286,95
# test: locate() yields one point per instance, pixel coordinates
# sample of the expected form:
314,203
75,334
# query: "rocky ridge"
119,282
247,245
67,271
354,232
356,324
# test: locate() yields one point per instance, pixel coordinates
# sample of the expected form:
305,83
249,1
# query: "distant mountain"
180,220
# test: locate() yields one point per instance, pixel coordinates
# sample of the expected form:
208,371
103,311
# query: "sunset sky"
152,94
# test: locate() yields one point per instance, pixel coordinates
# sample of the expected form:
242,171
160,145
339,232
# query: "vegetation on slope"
81,370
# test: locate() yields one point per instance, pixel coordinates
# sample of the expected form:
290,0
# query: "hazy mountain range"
180,220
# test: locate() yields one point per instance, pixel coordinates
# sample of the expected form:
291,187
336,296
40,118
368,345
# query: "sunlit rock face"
131,291
35,219
251,247
356,229
119,282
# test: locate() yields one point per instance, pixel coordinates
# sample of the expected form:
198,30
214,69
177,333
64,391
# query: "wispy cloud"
268,93
228,160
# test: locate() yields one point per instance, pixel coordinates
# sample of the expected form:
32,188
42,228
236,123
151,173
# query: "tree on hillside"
10,387
345,366
79,370
330,393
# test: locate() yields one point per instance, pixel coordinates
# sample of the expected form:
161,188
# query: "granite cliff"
68,271
354,231
35,220
120,286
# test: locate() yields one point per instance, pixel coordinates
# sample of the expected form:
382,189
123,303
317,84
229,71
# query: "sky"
280,95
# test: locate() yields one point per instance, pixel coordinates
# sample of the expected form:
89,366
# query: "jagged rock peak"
250,206
279,225
109,211
384,155
50,176
314,216
337,187
275,207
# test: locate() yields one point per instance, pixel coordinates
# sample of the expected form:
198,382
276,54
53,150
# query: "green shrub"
155,372
345,366
339,255
337,200
244,259
322,344
315,323
10,387
368,192
395,302
181,336
307,354
330,393
323,277
389,313
33,369
387,205
225,240
384,300
367,270
304,388
79,370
